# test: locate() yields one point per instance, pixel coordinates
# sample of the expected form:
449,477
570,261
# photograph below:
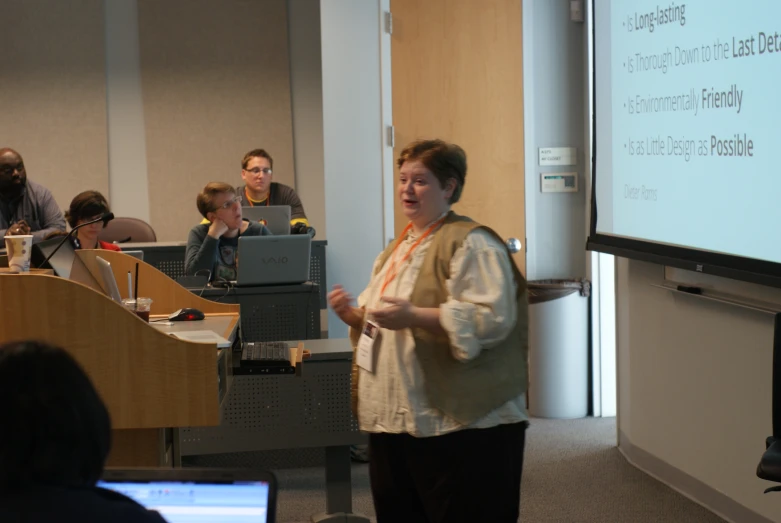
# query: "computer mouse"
187,314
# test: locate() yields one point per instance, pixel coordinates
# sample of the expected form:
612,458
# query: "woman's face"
228,209
422,197
89,232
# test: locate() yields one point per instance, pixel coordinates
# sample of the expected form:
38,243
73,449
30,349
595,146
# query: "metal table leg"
338,488
176,449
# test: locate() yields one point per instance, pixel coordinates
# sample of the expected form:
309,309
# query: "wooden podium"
150,381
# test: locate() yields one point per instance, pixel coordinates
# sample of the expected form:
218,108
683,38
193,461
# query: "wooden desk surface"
327,349
6,270
223,324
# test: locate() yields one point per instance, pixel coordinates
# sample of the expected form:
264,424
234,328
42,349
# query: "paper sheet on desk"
203,336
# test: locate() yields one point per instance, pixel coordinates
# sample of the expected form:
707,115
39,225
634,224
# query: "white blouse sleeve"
365,295
481,308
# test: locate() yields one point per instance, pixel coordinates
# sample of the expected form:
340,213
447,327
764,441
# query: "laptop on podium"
62,261
273,260
199,495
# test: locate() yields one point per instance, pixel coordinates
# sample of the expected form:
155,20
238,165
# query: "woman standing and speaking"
440,367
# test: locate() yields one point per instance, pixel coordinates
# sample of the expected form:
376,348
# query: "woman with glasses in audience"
86,207
213,246
55,436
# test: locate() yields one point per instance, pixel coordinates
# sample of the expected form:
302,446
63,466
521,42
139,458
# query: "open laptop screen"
274,260
199,497
61,262
276,217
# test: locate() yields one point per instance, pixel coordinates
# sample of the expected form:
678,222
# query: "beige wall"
215,83
53,93
694,380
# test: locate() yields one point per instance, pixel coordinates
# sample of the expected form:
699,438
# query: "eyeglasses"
258,170
9,169
229,203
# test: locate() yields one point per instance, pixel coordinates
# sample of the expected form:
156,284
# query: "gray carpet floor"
572,473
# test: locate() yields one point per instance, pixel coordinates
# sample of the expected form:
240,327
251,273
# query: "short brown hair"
56,429
444,160
205,198
87,204
257,153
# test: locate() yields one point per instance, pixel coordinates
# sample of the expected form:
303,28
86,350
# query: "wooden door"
457,74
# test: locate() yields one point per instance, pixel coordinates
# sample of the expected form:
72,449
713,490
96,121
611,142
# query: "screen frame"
705,262
66,255
198,475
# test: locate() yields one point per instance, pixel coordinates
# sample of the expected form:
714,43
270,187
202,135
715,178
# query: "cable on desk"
208,280
228,288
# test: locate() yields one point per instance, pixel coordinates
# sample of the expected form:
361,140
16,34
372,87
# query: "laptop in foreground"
199,495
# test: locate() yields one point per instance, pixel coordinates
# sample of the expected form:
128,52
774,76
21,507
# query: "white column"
388,160
128,182
306,97
530,142
353,144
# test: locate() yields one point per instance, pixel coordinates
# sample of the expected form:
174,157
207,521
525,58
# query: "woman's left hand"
399,314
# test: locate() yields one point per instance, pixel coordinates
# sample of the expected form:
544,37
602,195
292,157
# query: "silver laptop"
273,260
276,217
109,280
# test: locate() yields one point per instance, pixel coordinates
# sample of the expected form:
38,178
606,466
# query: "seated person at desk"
212,246
25,206
256,171
85,207
55,436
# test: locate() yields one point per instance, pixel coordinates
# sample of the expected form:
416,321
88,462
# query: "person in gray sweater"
25,206
213,246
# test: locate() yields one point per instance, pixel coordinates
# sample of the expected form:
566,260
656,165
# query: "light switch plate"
559,182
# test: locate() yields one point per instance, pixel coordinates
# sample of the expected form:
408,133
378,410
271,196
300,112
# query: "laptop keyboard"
265,353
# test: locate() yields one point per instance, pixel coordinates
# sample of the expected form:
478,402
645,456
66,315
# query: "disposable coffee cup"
19,249
141,306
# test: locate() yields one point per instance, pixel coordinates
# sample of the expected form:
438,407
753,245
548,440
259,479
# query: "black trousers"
469,476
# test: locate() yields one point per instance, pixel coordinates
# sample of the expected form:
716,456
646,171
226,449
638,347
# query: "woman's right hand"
340,301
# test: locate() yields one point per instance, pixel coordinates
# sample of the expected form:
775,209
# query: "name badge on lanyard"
368,343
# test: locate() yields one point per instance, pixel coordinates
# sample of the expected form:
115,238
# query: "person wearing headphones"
85,207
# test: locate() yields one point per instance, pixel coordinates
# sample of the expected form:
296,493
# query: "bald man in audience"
25,206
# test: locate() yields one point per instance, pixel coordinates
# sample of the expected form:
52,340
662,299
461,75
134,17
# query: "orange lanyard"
393,271
251,204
